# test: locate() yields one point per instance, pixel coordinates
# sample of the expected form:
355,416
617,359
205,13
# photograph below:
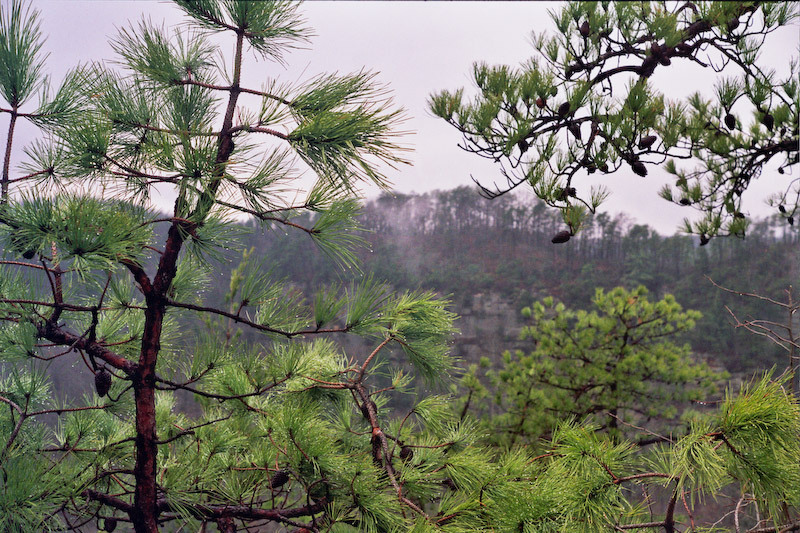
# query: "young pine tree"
617,366
290,430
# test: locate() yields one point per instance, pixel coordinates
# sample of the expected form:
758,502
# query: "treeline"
460,244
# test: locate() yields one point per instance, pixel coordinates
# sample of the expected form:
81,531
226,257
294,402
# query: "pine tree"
617,367
290,429
581,417
585,104
586,482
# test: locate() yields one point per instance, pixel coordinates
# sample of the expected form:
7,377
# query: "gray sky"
418,48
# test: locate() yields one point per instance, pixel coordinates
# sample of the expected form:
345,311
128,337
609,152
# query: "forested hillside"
493,257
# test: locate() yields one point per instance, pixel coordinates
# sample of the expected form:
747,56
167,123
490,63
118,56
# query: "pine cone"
365,410
648,66
102,382
561,237
406,453
656,49
377,450
279,479
768,121
730,121
647,142
639,168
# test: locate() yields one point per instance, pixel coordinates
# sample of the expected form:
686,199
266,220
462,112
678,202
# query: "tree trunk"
7,160
145,513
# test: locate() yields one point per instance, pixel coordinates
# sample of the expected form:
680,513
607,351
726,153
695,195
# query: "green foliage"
20,51
57,228
761,442
283,427
272,27
584,482
341,144
586,103
423,326
614,365
335,231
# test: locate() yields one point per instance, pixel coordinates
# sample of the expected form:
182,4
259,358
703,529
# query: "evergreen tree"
287,426
585,482
585,103
574,403
615,366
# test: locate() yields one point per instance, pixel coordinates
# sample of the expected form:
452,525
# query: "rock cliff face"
489,325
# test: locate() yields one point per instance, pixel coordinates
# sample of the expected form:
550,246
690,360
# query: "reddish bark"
145,510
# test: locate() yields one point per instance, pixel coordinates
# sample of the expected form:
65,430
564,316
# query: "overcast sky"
418,48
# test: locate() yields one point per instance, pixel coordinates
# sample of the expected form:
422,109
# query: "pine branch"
109,500
227,88
247,512
62,337
643,525
262,327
